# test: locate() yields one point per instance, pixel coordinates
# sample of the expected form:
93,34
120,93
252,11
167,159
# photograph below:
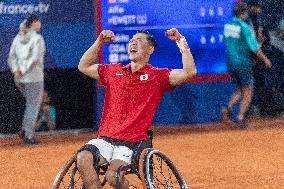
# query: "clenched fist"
173,34
106,36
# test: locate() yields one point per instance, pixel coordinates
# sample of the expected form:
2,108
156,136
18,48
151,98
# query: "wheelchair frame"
142,166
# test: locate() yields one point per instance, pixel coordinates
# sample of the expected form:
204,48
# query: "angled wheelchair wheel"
68,177
157,171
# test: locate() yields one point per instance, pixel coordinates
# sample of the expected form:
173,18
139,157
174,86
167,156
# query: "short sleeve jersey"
131,99
239,41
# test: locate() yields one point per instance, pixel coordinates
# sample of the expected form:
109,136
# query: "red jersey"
131,99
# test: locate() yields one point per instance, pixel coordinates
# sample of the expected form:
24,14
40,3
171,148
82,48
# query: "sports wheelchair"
152,167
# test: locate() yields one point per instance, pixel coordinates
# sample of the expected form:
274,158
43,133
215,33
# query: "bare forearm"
50,124
260,55
188,62
180,76
90,55
86,64
187,58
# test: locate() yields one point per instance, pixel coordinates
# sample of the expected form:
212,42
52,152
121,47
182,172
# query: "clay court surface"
209,156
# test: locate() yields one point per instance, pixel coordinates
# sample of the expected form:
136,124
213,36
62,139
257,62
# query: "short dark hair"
150,38
240,8
30,19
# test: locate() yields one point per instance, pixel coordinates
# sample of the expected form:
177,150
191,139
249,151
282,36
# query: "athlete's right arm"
86,64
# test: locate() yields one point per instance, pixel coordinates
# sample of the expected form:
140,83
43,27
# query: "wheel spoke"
161,172
69,176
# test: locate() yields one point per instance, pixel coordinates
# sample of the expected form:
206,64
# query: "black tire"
68,177
157,171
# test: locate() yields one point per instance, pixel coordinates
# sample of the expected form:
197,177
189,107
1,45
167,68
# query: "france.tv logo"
13,9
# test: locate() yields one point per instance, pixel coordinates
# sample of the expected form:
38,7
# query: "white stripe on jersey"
233,31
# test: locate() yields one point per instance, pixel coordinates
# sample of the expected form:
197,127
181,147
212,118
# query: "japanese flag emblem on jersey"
144,77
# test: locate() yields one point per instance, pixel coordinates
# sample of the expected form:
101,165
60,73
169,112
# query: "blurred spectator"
26,63
46,119
240,42
267,98
259,69
277,36
254,20
274,99
281,28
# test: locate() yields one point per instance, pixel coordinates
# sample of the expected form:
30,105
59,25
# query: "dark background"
71,93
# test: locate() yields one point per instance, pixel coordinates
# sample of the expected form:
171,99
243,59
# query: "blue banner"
200,21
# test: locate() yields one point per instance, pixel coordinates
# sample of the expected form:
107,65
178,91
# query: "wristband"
182,44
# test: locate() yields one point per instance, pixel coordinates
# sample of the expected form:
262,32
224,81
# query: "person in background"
240,41
46,119
259,69
254,20
26,63
281,29
277,36
275,98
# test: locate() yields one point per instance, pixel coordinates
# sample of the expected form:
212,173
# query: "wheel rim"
68,177
161,172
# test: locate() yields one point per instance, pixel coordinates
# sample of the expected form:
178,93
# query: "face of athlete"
139,48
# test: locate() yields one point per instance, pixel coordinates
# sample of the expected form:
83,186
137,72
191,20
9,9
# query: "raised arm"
86,64
180,76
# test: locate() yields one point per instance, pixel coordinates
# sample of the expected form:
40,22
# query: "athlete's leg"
95,152
121,156
85,162
111,176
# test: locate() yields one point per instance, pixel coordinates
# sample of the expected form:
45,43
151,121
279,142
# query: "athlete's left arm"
180,76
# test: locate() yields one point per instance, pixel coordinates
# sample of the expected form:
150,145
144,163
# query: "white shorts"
111,152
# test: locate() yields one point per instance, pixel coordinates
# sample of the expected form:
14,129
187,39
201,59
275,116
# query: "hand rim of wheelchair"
61,174
144,170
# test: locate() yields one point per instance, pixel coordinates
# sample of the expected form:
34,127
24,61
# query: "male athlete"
133,93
